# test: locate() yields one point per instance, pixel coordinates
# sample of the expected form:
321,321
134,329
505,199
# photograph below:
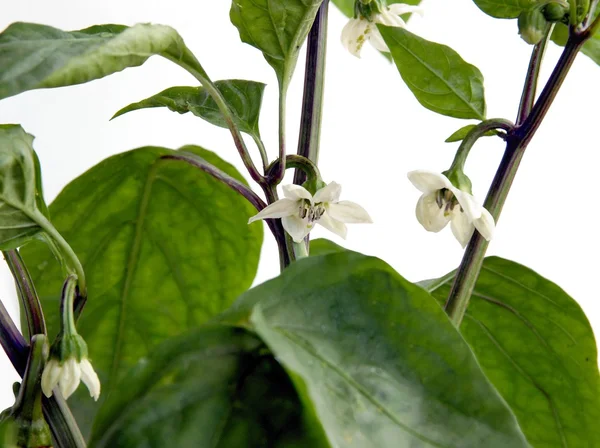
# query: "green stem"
314,83
295,161
517,141
27,293
531,79
276,176
65,250
262,150
67,318
474,134
189,62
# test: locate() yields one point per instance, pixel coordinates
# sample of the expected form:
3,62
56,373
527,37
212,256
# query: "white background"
374,131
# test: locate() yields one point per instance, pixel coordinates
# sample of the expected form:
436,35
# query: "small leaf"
504,9
376,357
23,211
34,56
535,344
231,394
165,248
438,77
244,99
462,133
278,28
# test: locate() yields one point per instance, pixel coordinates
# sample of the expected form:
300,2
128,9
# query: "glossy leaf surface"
215,386
537,347
244,99
22,207
438,77
34,56
278,28
376,357
165,247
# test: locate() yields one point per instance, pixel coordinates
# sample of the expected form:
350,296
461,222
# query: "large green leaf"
212,387
438,77
278,28
347,6
376,357
504,9
165,247
537,347
34,56
23,212
244,99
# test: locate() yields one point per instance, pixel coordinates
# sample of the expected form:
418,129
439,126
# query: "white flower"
442,202
300,210
358,31
67,375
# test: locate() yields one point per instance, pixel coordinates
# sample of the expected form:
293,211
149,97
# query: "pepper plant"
137,279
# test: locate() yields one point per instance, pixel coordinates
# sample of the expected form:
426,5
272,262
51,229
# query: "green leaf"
347,6
244,99
438,77
278,28
504,9
214,387
165,247
462,133
23,211
377,357
537,347
34,56
322,246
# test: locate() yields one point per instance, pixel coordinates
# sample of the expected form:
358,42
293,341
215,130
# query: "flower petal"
50,377
429,214
296,227
469,204
485,225
378,42
296,192
400,9
70,378
461,226
333,225
428,181
278,209
354,35
90,379
329,193
348,212
387,18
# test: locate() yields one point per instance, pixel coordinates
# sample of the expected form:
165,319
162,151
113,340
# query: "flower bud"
532,26
555,11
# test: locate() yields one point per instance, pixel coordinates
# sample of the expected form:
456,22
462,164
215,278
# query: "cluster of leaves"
339,350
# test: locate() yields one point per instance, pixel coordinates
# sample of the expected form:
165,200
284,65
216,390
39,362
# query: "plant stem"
261,149
277,176
189,62
274,224
27,293
531,79
517,141
310,169
314,83
58,415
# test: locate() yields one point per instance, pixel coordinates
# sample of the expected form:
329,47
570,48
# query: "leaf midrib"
434,72
297,341
130,269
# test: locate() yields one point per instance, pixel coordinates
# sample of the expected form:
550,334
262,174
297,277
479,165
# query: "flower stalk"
517,141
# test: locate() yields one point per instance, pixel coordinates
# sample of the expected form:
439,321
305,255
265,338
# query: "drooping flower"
442,202
299,211
68,366
362,28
